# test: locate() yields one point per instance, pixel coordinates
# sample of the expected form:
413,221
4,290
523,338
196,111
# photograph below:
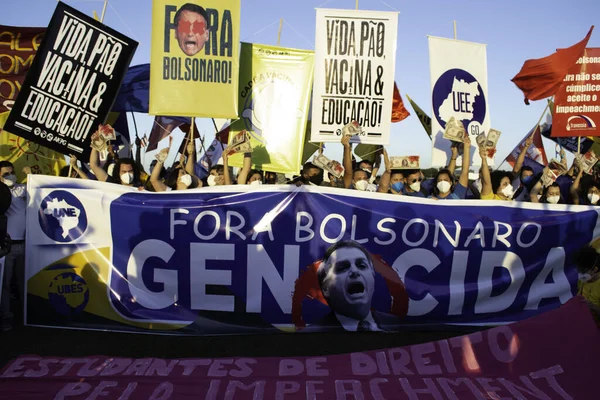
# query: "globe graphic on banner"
458,94
68,293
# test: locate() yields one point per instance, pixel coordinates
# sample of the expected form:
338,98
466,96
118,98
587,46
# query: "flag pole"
454,29
357,4
103,11
279,32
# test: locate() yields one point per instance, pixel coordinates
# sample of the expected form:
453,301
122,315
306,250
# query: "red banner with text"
539,358
577,102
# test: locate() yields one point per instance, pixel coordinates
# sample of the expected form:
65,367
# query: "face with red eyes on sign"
191,33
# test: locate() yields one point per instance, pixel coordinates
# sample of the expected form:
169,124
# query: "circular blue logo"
62,217
458,94
68,293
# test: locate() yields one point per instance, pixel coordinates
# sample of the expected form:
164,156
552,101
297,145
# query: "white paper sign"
355,53
458,89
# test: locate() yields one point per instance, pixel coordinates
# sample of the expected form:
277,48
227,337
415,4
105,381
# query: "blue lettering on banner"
180,257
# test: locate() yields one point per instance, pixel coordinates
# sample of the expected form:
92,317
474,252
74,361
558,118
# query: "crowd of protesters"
521,184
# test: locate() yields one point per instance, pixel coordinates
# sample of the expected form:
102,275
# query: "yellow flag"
96,16
23,153
194,58
274,105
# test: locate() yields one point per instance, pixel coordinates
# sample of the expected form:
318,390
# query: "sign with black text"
355,57
72,83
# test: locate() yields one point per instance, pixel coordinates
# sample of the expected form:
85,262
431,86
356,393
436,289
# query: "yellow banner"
23,153
274,97
194,60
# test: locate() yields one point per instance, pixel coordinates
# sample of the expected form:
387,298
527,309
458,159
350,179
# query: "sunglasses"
197,27
417,179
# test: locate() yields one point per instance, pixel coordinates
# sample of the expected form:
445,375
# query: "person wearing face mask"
444,188
177,178
592,193
216,175
523,175
310,175
14,263
412,184
495,185
587,261
550,194
125,171
392,181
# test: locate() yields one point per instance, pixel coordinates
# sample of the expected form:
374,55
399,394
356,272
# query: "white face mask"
10,180
361,185
584,277
444,186
256,183
415,186
508,191
211,180
553,199
127,178
593,198
186,180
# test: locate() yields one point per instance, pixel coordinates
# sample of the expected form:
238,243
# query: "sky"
513,31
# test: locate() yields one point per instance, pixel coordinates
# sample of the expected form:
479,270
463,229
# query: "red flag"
399,112
541,78
163,126
223,135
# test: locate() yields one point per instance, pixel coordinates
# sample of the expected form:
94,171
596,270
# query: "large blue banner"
286,258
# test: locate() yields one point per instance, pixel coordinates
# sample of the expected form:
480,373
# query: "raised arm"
521,158
157,184
536,189
384,182
226,176
486,178
454,150
73,162
100,173
574,190
466,162
347,161
246,166
376,164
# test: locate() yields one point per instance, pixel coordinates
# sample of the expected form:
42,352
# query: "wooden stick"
579,145
279,32
103,11
454,29
70,168
357,4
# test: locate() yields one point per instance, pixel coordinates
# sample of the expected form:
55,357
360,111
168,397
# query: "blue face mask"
526,180
398,186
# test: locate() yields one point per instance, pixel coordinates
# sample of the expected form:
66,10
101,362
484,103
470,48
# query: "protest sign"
535,359
72,83
355,53
576,103
458,90
17,50
274,101
194,59
203,261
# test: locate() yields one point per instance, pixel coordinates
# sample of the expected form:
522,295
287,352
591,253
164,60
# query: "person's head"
7,173
270,178
191,28
366,166
501,184
255,177
413,179
526,175
551,195
125,172
593,193
178,179
397,181
313,174
360,179
347,279
587,261
332,179
215,175
443,182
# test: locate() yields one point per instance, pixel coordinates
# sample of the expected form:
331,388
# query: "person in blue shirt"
445,188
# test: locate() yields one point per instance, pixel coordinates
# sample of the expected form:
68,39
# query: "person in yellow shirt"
495,185
587,261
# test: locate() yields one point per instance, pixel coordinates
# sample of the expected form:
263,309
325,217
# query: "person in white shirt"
347,280
14,263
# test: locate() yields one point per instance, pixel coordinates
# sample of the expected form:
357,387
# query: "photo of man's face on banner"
191,28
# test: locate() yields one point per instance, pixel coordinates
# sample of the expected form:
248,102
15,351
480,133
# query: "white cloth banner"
458,89
355,57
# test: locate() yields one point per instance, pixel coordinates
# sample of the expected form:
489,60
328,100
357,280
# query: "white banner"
458,89
355,54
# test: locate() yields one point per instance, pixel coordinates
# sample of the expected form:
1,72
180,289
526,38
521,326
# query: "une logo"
68,293
580,122
62,217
